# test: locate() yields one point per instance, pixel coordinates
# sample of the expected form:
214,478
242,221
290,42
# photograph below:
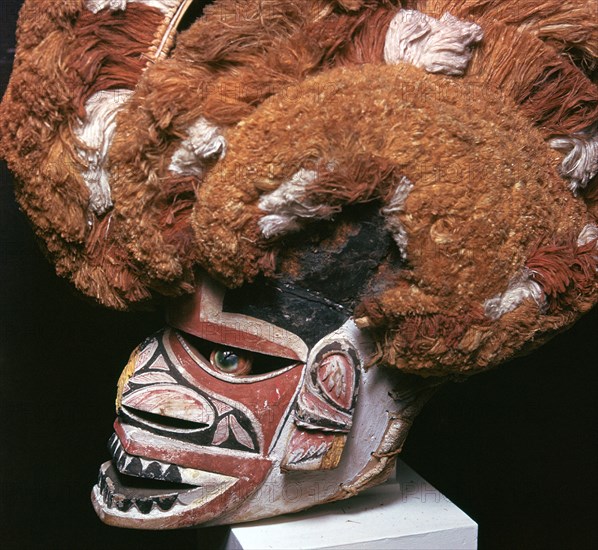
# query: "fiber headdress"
149,143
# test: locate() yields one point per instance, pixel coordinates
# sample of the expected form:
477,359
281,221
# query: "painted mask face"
228,418
258,401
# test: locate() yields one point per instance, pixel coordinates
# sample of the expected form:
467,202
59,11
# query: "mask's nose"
153,398
169,408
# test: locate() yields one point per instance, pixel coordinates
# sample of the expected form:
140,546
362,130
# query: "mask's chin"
143,493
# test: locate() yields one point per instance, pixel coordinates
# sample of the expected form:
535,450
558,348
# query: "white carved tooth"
436,45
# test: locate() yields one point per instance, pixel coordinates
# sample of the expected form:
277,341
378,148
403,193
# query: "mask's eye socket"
229,361
235,361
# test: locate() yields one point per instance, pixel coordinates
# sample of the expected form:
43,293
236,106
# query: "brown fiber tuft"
223,67
564,271
569,26
485,190
64,55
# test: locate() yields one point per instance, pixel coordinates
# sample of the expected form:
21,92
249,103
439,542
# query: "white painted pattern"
284,492
173,401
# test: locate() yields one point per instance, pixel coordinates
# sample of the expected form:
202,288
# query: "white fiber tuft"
205,141
96,133
278,224
95,6
165,6
521,287
391,213
287,206
588,233
436,45
580,164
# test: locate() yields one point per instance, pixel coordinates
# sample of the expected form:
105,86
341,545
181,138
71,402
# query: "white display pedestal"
404,513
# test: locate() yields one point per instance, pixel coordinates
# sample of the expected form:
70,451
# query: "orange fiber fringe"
552,92
353,40
39,18
569,26
47,93
110,48
516,58
450,329
564,271
176,206
360,179
107,273
222,69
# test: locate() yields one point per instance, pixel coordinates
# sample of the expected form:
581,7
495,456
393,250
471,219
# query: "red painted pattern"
268,400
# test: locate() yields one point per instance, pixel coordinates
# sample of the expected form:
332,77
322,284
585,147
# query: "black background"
515,448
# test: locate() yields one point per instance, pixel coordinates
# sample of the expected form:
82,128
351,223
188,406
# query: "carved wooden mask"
257,401
403,185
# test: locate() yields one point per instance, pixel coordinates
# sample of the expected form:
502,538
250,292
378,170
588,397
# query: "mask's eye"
236,361
232,361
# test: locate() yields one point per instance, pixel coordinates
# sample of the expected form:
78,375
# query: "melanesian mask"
341,204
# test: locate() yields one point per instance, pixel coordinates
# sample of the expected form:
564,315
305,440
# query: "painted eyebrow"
201,315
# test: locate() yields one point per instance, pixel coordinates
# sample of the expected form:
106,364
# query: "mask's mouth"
136,492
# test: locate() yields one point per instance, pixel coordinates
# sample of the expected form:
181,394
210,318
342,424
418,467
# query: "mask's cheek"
190,445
